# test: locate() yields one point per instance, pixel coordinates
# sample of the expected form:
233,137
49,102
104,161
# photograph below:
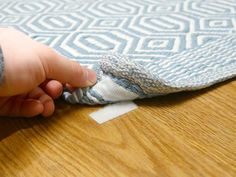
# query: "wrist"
1,65
2,34
3,31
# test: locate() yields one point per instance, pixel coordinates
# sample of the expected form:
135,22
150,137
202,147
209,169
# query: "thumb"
63,70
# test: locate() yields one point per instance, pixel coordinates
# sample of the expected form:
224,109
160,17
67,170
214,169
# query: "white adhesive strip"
111,91
112,111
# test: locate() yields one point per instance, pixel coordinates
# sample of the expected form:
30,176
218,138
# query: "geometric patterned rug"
144,31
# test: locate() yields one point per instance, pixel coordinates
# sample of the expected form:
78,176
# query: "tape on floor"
112,111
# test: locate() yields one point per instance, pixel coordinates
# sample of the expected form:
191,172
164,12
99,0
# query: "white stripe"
112,111
110,91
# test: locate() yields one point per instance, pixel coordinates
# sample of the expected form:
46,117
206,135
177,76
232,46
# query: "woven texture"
189,70
158,47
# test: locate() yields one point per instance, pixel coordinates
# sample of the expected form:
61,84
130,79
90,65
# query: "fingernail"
91,77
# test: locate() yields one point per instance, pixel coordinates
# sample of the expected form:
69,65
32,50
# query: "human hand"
34,75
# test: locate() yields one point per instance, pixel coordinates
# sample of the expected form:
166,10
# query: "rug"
139,48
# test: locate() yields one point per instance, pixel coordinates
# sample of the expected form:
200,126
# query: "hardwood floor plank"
183,134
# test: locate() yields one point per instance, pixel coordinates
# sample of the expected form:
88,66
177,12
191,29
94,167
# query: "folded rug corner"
122,79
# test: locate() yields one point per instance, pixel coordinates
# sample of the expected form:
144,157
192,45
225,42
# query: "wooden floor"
184,134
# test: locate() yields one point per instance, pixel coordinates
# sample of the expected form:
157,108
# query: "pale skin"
34,75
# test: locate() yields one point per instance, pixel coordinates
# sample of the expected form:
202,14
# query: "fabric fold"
161,46
123,79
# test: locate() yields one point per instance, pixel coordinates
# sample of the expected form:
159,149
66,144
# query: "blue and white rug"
139,48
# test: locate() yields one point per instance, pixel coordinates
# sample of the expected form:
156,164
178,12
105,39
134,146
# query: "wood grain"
184,134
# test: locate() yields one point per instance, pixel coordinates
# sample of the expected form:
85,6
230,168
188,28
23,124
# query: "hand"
34,75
